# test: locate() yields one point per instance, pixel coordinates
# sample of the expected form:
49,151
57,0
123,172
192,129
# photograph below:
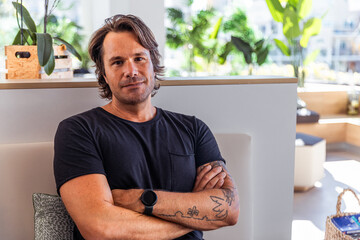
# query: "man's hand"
129,199
209,177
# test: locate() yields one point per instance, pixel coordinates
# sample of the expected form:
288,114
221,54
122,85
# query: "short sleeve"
75,152
206,149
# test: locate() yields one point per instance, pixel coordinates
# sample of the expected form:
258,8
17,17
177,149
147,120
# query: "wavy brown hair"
123,23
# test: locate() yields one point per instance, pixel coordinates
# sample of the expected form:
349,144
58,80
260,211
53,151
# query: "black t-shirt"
161,154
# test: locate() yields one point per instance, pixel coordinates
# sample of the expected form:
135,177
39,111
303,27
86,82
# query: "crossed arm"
101,213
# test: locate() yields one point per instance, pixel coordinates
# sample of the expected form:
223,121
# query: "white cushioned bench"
28,168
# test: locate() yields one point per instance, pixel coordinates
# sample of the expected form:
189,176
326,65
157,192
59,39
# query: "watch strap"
148,210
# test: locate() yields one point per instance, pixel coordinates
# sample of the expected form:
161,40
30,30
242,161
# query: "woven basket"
332,232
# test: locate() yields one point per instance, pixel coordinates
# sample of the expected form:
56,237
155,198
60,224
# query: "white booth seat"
309,161
28,168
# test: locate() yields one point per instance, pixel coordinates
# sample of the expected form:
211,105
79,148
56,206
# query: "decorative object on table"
20,61
335,228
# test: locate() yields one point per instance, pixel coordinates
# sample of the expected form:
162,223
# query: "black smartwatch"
148,198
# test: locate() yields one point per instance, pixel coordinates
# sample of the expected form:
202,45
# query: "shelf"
92,82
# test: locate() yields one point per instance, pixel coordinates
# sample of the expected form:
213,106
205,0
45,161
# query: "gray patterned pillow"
52,221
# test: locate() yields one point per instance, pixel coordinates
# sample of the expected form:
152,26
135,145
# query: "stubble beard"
134,99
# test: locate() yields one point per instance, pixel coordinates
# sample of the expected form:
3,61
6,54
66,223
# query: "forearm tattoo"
221,203
229,195
214,164
220,210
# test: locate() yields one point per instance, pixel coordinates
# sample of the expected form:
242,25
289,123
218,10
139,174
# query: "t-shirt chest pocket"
183,172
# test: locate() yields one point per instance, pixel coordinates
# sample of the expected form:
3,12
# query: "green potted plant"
30,36
249,50
297,31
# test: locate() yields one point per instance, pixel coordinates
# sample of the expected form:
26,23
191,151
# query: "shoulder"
82,122
84,117
190,123
184,118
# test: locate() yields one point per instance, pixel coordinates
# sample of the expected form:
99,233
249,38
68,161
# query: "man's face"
128,68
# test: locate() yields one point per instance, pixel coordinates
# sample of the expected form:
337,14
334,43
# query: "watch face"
149,198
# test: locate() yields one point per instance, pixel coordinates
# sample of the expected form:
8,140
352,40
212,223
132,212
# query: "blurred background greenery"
233,37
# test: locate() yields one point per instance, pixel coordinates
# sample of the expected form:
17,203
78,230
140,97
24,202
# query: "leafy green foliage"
200,37
291,27
29,22
249,49
244,47
197,36
26,37
276,10
312,27
67,32
237,26
304,8
243,38
292,16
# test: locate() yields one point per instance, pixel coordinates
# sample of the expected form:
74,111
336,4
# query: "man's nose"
131,69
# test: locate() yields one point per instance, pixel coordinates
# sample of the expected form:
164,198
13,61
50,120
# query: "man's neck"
142,112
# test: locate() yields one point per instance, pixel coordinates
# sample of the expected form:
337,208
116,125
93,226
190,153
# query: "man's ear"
104,75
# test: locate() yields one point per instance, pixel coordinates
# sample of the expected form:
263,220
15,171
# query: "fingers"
217,181
209,178
199,177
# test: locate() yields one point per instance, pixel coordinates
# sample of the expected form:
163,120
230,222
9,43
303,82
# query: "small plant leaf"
50,65
44,47
311,27
282,46
276,10
215,32
69,47
225,52
304,8
291,27
262,55
244,47
259,44
29,22
17,39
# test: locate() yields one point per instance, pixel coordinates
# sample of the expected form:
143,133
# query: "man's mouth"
133,84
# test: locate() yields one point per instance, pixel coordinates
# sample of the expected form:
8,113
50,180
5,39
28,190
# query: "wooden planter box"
23,67
22,63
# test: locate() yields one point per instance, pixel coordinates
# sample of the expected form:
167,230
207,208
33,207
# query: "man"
129,170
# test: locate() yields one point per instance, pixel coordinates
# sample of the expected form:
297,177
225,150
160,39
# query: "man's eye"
118,62
138,59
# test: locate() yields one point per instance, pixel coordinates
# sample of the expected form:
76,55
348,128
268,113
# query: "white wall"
31,115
